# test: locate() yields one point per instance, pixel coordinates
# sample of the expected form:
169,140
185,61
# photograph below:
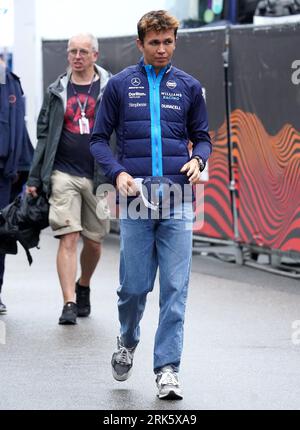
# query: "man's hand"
32,191
126,185
192,171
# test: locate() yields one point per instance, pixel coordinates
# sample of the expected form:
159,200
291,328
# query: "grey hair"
93,39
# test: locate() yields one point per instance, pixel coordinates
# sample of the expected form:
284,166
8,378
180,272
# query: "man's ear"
140,45
96,56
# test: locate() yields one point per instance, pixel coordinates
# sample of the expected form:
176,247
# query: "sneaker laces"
124,355
168,378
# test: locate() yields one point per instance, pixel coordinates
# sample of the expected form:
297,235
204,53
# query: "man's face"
81,56
158,48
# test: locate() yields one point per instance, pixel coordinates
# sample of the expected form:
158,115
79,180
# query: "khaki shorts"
74,208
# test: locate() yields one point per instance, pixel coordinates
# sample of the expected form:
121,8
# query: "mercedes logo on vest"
136,82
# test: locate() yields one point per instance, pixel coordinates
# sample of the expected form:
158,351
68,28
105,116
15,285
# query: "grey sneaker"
122,362
2,308
168,385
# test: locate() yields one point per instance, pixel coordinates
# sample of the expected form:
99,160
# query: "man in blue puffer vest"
156,110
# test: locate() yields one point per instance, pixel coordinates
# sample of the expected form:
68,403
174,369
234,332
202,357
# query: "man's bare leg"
67,265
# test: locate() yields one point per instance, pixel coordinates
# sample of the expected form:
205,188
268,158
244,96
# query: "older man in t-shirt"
64,169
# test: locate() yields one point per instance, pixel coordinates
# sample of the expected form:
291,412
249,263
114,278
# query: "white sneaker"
168,385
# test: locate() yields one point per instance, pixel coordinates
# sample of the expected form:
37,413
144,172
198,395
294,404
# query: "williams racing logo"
171,96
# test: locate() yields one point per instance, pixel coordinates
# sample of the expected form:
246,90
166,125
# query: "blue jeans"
147,245
5,189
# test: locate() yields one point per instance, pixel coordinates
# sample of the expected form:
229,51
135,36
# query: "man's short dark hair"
157,20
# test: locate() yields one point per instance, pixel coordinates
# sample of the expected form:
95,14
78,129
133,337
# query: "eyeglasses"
81,52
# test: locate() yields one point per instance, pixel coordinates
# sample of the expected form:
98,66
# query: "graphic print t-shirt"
73,154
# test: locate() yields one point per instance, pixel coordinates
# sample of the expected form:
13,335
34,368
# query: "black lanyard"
82,106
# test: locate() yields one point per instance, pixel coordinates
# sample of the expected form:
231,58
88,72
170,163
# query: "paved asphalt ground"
238,351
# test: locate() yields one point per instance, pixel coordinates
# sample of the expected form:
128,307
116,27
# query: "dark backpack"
22,221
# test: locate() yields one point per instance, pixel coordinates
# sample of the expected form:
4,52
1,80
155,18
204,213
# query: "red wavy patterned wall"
268,176
218,220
